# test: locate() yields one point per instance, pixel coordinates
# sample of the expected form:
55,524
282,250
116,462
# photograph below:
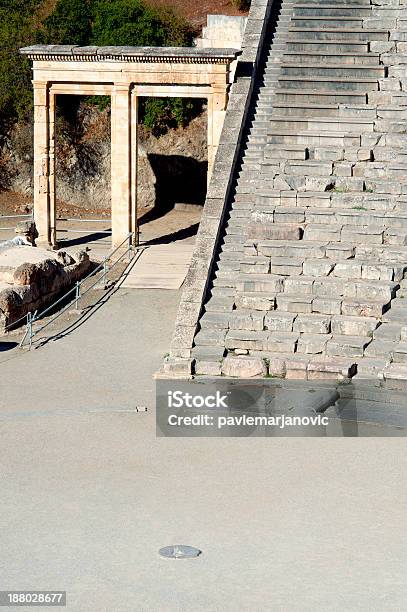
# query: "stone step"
324,124
342,3
313,138
339,287
311,110
307,95
328,83
313,56
338,217
352,71
305,10
355,201
280,152
326,46
341,34
326,22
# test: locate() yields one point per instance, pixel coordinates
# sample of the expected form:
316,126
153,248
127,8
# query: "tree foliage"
86,22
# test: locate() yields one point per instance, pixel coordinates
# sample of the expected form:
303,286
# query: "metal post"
77,294
30,329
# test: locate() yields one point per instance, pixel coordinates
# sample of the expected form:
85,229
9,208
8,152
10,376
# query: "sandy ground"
89,494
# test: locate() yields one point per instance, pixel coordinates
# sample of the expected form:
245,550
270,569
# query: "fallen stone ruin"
32,278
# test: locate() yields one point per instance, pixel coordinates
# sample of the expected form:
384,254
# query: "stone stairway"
310,277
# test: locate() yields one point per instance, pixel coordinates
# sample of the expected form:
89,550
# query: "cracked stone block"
389,331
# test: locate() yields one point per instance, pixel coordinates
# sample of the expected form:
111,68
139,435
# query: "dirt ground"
196,13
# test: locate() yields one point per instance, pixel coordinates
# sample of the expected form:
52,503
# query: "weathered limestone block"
312,344
286,266
317,267
268,283
37,285
353,326
243,367
279,321
327,305
363,308
247,320
281,342
255,301
312,324
274,232
339,369
294,303
348,269
244,339
347,346
208,368
299,284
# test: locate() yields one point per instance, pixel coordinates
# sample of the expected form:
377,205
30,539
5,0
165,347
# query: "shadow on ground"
179,179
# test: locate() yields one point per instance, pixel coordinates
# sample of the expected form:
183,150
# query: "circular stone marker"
179,551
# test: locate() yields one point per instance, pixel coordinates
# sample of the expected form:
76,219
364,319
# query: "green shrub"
69,24
15,72
84,22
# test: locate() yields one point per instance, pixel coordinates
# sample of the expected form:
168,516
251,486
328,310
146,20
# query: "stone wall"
196,285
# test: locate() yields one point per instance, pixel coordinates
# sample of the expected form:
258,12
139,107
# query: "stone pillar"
42,213
121,164
217,104
52,162
134,159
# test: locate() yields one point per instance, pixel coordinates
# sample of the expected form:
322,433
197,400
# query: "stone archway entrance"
124,74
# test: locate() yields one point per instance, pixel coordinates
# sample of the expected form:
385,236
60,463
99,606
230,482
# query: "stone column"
121,164
134,160
52,162
42,214
217,104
